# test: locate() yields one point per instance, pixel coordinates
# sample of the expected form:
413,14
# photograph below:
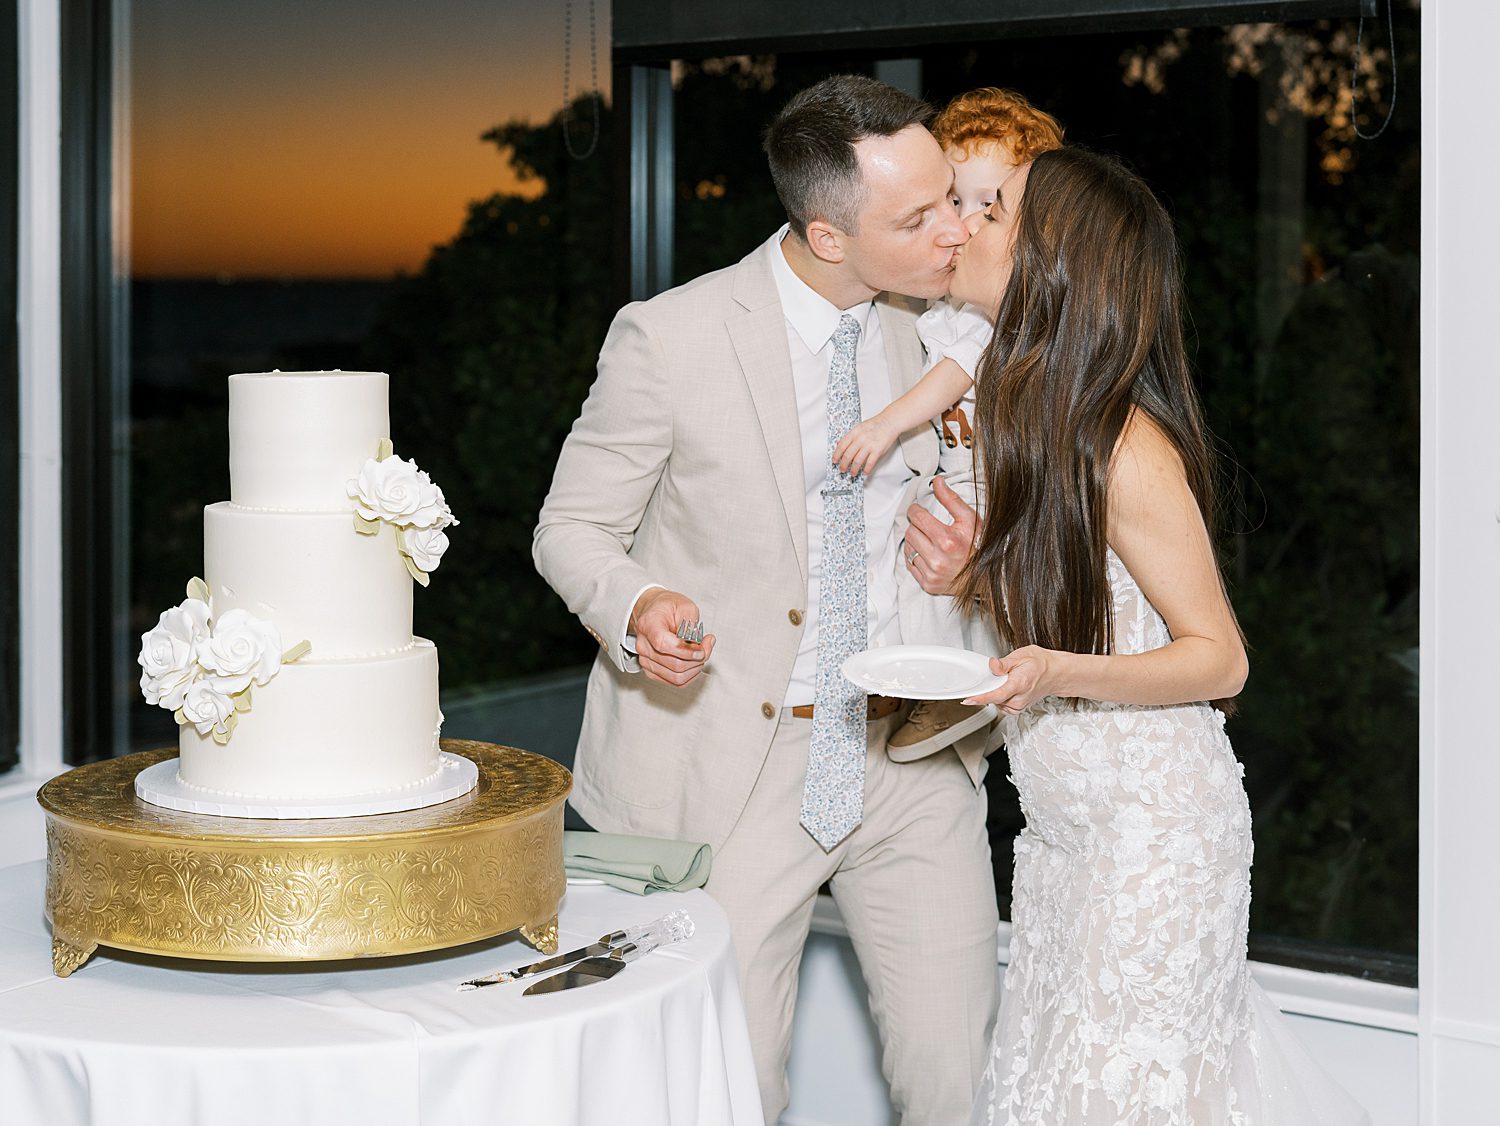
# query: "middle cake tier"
312,576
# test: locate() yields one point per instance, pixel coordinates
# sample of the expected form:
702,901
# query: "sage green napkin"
637,864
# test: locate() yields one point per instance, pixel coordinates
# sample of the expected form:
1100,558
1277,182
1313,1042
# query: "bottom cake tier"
327,729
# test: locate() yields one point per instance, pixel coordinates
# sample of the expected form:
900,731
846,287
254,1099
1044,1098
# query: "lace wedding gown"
1127,999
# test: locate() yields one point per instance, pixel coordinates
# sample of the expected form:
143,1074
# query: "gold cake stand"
127,874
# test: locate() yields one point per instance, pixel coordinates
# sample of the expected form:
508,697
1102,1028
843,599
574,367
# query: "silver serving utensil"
607,942
587,972
691,632
591,971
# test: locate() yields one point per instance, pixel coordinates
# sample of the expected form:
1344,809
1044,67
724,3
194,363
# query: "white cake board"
160,785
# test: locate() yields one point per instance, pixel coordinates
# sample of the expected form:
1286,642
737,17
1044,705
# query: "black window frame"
10,395
92,468
649,35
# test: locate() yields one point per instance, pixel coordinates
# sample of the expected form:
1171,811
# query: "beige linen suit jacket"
685,469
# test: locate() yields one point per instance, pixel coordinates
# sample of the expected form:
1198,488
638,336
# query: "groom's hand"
663,655
935,552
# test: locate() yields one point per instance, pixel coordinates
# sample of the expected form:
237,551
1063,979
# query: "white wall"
22,827
1459,914
39,336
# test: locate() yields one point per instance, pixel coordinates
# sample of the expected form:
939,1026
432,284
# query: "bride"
1127,997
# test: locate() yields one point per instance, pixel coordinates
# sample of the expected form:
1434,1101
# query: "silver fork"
691,632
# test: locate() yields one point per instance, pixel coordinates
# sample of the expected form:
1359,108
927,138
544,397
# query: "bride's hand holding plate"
1030,673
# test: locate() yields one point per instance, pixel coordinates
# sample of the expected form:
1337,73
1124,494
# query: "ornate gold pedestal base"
123,873
67,957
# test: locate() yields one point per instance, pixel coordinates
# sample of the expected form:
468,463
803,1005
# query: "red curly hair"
991,116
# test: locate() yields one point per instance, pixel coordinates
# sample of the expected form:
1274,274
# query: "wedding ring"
912,562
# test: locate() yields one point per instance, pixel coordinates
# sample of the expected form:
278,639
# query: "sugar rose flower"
396,491
425,546
208,707
241,648
445,517
167,658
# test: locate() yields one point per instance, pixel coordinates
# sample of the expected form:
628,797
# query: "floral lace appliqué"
1127,997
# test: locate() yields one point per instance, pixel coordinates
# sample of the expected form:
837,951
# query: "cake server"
591,971
607,942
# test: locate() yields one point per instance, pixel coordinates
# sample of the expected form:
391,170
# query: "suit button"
794,616
768,710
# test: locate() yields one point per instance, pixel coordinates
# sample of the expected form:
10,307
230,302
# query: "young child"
986,135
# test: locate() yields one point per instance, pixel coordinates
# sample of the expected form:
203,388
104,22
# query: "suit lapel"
759,338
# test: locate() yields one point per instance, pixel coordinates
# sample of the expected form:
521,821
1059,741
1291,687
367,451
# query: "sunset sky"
334,138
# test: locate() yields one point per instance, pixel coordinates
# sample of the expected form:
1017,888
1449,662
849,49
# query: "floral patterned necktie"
833,792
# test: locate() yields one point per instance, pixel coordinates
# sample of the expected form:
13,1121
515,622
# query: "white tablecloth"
133,1040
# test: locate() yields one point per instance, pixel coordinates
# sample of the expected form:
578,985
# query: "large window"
341,186
316,188
1301,255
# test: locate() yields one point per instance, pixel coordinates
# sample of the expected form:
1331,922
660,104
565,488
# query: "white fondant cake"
294,556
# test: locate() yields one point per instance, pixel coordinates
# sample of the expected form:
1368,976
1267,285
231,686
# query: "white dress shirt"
810,323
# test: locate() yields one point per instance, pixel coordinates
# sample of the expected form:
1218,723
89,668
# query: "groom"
695,486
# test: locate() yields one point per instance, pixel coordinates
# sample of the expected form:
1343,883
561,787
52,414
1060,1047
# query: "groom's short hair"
810,146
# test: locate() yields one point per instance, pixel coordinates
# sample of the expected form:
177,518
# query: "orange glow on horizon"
323,149
303,214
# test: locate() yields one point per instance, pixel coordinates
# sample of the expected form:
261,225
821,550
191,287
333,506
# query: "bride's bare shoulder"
1144,459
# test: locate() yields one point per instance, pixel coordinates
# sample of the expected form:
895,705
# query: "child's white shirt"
960,334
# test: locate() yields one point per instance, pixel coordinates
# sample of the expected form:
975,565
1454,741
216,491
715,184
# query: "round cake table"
125,873
142,1040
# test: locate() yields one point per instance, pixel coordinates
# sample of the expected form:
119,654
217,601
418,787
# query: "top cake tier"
296,438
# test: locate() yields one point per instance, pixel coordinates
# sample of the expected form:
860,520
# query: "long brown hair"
1089,329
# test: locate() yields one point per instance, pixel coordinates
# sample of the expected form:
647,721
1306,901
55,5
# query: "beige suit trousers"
914,886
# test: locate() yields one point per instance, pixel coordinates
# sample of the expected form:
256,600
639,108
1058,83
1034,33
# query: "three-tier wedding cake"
291,667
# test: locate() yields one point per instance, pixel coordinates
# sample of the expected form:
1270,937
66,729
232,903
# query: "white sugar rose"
445,517
240,649
396,491
166,658
208,707
425,546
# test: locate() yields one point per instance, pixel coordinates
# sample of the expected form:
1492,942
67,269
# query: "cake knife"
667,924
591,971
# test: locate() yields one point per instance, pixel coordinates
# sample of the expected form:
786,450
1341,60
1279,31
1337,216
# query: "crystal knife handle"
668,929
677,924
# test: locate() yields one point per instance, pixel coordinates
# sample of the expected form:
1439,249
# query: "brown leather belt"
878,708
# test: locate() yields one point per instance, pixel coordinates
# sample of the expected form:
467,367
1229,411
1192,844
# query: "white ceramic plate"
584,882
922,672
